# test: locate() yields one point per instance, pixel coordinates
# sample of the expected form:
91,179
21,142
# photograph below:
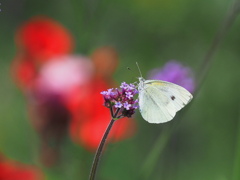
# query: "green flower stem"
231,16
99,151
156,151
153,156
236,166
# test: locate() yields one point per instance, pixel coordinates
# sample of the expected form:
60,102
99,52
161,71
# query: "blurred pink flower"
64,92
173,71
63,74
38,40
58,82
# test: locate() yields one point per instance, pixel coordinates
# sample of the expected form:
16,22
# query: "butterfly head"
141,83
141,79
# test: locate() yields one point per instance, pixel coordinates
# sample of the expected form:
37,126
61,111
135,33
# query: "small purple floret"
109,91
132,87
129,95
104,92
118,105
124,85
126,105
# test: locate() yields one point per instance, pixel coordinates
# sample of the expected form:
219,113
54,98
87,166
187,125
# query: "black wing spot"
173,97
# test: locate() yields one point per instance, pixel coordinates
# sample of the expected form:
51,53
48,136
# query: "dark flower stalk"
121,104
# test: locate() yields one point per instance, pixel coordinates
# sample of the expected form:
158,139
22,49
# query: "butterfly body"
160,100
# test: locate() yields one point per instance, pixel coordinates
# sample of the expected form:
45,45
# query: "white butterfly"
160,100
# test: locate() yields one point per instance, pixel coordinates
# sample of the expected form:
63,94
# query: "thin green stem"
208,59
153,156
236,166
162,140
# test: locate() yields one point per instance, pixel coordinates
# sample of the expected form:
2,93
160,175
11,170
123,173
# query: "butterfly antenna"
139,70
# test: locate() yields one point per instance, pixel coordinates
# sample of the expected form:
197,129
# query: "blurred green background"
204,144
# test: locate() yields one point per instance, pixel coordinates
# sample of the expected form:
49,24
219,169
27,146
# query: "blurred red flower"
42,38
63,89
50,116
10,170
24,72
38,40
75,83
90,117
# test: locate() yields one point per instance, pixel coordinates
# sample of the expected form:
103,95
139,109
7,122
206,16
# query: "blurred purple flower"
174,72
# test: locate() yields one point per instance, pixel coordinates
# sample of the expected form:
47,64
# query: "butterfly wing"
160,100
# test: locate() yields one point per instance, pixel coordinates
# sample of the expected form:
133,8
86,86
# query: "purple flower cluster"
174,72
121,101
